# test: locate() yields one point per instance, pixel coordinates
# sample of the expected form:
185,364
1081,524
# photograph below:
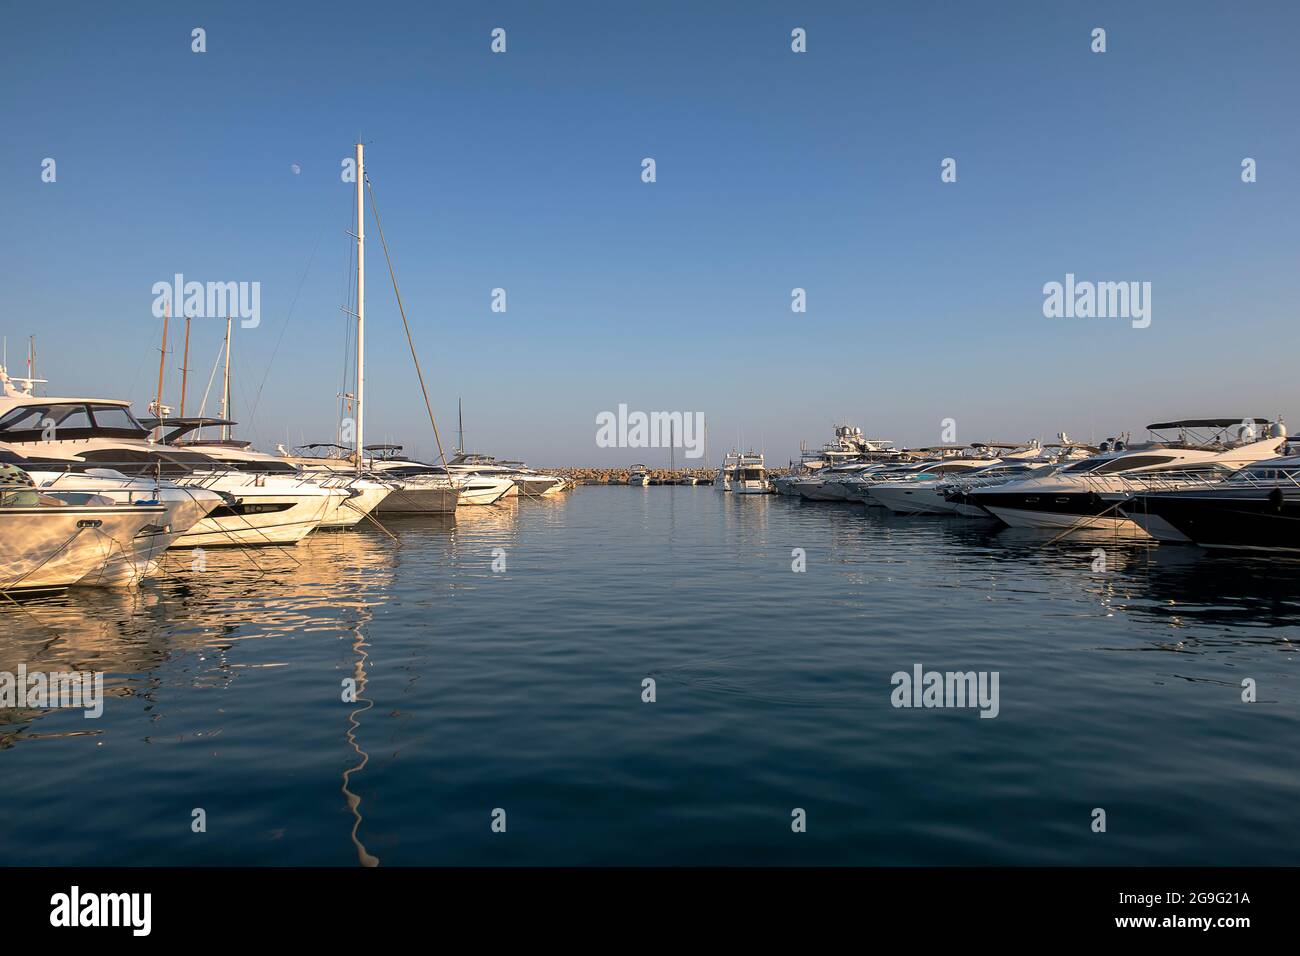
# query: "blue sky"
775,170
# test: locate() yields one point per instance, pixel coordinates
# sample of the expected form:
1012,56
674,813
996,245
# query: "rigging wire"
374,206
283,328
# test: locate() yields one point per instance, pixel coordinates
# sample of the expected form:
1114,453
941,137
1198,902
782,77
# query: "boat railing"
1254,477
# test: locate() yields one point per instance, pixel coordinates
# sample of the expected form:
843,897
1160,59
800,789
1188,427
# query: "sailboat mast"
361,302
225,387
185,364
162,367
460,427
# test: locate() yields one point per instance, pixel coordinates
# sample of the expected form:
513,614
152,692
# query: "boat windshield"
55,421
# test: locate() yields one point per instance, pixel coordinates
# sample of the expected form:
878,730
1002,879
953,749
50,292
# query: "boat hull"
46,547
350,511
1243,521
256,519
419,500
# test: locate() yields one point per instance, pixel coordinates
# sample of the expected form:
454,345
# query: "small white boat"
639,475
47,542
743,474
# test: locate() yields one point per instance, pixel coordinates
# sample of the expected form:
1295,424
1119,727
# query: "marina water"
500,662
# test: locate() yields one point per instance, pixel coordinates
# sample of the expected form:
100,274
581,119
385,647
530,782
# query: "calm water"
521,690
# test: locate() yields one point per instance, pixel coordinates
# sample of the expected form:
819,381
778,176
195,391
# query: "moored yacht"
1088,493
431,489
51,541
924,490
743,474
71,433
638,475
528,482
1254,509
354,495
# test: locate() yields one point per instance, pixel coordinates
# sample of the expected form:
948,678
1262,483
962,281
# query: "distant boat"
743,474
639,475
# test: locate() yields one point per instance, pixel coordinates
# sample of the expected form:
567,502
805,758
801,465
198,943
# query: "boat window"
115,417
753,474
1079,467
36,418
944,469
133,461
1130,462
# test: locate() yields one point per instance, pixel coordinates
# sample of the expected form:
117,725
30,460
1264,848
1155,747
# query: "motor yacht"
53,541
1256,508
743,474
527,481
639,475
923,490
65,433
357,494
1088,493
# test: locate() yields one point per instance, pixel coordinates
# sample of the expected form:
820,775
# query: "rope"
283,328
442,457
375,521
17,581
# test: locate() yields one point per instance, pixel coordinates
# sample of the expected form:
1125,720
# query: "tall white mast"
225,387
361,302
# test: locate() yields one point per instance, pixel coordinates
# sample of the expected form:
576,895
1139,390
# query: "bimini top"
1206,423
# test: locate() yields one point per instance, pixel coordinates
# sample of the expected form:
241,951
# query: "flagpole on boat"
162,367
225,387
361,303
185,363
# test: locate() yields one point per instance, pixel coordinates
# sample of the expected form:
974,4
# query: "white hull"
1024,518
540,486
419,500
477,490
56,547
903,500
289,517
350,511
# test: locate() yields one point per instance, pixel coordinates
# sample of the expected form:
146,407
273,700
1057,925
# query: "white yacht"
923,490
431,489
639,475
527,481
47,541
74,432
743,474
356,495
818,475
81,484
1088,493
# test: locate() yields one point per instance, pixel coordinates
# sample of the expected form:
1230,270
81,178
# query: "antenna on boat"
185,361
162,367
225,387
361,300
460,427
